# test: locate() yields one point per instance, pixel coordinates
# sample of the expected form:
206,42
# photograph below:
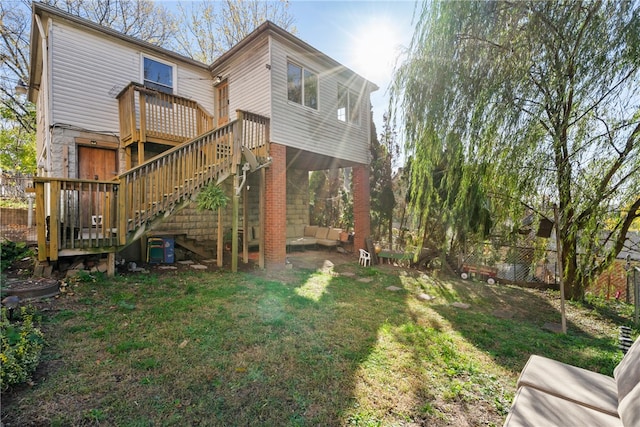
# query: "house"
128,133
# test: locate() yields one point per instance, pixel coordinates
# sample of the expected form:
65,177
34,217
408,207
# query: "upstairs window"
348,106
343,102
302,86
158,75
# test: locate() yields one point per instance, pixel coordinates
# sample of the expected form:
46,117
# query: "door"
222,106
96,164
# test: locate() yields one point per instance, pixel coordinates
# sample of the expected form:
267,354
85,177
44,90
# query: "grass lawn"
297,348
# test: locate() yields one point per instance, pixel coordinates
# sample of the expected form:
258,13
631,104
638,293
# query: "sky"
365,36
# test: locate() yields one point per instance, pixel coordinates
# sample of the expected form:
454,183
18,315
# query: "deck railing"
82,216
147,115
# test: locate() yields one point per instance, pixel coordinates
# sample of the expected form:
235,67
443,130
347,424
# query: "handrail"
167,179
89,215
148,115
80,215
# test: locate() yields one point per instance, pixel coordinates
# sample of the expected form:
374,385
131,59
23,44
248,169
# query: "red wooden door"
96,164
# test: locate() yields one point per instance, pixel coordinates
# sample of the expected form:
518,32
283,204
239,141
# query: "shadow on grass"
211,349
508,323
298,347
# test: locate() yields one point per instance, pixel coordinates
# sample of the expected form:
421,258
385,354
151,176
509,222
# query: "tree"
17,146
326,188
208,29
383,152
14,67
143,19
544,99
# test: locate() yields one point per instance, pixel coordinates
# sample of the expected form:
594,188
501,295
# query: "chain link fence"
530,264
525,263
633,287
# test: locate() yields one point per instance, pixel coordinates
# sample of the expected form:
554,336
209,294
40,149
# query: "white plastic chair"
365,258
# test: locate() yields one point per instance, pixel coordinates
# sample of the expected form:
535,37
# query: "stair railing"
148,115
78,216
159,184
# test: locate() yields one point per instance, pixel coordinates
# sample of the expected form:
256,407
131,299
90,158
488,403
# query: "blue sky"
362,35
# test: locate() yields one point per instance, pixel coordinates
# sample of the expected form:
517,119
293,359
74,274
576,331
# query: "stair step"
204,249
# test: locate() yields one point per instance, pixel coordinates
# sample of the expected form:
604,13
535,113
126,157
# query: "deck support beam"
245,223
220,243
234,224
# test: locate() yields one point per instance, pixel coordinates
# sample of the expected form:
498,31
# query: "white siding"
90,69
318,131
248,77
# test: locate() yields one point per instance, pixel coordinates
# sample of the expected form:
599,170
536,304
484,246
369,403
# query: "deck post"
41,213
54,227
219,253
245,220
111,264
121,213
234,224
261,209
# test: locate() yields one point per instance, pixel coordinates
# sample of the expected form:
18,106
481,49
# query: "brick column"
275,233
361,205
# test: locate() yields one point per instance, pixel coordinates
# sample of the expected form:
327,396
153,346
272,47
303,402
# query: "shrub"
22,345
11,251
211,197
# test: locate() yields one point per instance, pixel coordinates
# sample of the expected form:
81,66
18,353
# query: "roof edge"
269,26
42,8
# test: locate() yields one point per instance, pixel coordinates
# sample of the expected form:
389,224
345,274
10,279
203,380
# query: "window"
158,75
354,111
222,108
302,86
348,106
343,97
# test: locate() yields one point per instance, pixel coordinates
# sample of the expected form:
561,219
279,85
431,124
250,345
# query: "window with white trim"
302,86
348,106
158,75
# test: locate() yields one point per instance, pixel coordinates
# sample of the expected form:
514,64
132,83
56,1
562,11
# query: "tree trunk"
390,230
574,288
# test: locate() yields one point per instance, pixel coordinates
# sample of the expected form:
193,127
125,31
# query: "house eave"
43,10
35,66
270,28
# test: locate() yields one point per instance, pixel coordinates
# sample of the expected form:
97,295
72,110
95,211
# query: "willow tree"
541,102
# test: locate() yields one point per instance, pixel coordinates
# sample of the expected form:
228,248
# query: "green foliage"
527,104
383,201
21,348
211,197
346,215
10,252
17,146
326,197
14,203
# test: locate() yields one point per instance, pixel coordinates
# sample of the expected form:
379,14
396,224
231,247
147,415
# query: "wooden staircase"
79,217
202,249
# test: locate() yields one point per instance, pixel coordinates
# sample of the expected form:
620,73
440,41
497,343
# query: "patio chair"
365,258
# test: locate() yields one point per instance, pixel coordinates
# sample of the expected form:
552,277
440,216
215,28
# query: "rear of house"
128,133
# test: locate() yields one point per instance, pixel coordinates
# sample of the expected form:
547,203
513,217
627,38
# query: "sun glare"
375,50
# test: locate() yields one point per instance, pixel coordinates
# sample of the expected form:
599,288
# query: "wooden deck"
150,116
75,216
